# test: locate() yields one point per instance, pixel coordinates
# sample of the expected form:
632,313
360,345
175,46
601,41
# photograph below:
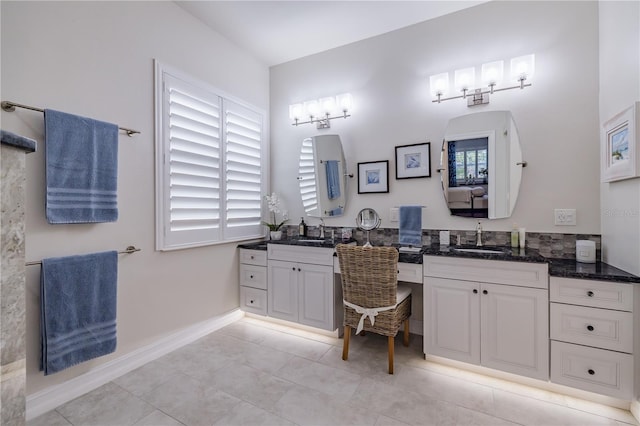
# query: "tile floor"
257,373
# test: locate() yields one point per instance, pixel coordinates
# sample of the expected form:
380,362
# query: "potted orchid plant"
273,204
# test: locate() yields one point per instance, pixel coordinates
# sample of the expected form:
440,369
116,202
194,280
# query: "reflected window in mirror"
321,176
481,165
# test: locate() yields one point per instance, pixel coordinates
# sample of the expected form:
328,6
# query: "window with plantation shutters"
210,165
307,177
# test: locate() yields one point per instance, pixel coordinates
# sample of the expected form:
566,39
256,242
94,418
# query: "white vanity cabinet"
486,312
592,332
300,285
253,281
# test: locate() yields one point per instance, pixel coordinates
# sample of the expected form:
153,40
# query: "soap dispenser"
479,235
302,228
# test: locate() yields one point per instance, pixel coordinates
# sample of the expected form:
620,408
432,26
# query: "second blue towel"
410,226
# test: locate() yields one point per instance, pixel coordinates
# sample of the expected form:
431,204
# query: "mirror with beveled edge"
321,176
481,165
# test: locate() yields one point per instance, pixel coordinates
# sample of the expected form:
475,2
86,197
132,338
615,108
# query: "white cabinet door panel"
514,329
451,326
283,290
315,296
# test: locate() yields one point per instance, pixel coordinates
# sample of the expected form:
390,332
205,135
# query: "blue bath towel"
77,309
410,225
18,141
81,169
333,179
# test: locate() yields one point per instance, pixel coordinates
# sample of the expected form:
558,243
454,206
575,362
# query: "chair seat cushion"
402,293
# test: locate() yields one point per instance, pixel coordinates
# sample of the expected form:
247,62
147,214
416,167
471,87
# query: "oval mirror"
368,220
321,176
481,165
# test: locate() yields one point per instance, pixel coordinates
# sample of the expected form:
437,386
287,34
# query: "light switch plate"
563,217
394,214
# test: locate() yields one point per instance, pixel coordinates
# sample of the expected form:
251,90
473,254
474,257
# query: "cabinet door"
315,296
452,319
282,293
515,326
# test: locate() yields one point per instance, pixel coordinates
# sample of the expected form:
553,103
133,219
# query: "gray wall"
96,59
388,76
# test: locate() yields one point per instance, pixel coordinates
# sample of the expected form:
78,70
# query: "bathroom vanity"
510,310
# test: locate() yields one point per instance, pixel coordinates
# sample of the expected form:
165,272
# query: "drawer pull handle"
299,269
475,291
485,292
590,327
293,269
590,371
251,276
251,301
590,293
252,257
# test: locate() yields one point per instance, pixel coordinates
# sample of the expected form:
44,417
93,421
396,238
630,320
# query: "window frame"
166,240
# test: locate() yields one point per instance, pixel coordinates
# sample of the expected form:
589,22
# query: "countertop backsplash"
550,245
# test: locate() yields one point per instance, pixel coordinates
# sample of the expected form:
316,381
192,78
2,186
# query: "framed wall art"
620,158
373,177
413,161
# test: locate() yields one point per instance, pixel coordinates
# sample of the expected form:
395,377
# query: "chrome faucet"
479,235
321,226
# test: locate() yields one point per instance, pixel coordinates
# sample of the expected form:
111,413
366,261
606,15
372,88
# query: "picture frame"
373,177
619,156
413,161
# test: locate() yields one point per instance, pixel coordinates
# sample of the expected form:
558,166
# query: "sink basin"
479,250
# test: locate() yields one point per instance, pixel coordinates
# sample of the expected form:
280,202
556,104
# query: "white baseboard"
635,409
54,396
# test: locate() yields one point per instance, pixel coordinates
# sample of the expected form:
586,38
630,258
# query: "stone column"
12,283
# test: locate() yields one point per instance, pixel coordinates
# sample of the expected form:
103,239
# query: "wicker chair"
370,281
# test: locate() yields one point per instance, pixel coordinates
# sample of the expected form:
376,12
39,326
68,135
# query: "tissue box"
586,251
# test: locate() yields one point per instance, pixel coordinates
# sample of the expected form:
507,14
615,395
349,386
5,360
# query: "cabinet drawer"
595,370
599,294
253,257
491,271
313,255
410,272
253,276
601,328
253,300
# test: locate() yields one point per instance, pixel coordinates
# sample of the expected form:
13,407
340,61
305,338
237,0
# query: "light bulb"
439,84
522,67
328,105
465,78
492,73
295,111
312,108
345,102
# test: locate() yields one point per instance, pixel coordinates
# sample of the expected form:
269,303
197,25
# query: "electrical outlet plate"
565,217
394,214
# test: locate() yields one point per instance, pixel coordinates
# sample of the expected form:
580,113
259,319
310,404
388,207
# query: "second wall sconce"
491,76
320,111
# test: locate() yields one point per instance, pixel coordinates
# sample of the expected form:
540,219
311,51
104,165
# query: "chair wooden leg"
390,354
405,338
345,342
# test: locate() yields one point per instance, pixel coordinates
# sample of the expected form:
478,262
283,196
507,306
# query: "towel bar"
11,106
128,250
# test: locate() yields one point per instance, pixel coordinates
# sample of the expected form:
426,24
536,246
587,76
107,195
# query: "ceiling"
281,31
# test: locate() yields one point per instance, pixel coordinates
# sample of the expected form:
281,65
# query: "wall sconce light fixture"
320,111
491,76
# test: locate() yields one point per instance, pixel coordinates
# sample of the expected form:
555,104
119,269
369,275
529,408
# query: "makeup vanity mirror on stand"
481,165
368,220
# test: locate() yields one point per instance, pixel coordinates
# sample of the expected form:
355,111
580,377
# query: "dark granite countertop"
567,268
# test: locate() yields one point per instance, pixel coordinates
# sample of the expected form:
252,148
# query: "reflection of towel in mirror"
410,225
335,212
333,179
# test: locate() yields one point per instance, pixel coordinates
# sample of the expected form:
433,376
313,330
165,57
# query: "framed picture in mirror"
619,153
413,161
373,177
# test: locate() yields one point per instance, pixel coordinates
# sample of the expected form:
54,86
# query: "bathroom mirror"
321,176
481,165
368,220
